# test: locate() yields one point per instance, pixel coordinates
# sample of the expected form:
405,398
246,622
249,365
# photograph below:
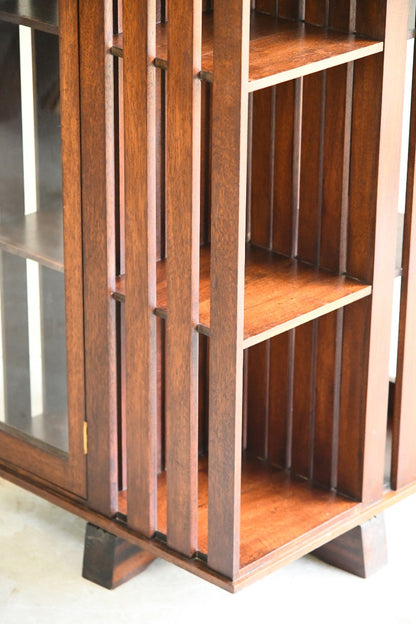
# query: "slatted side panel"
183,234
140,176
229,167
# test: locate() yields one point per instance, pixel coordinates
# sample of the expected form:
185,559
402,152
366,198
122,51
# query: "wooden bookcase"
237,164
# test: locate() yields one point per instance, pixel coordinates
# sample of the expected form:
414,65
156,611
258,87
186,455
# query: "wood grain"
292,49
270,306
268,498
284,169
303,400
98,193
140,197
229,171
183,153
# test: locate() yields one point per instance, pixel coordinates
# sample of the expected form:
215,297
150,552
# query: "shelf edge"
313,68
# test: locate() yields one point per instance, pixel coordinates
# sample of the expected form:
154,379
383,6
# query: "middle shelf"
280,293
280,49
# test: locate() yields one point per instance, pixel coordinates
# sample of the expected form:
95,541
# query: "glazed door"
41,314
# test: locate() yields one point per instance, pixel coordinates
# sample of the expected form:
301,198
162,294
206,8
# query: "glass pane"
33,400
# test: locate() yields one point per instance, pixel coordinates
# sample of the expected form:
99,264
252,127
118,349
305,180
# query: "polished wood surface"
256,296
269,497
140,361
229,179
270,307
38,15
183,118
292,49
98,194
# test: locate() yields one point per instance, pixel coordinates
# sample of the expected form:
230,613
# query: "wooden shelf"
37,236
280,294
280,50
38,15
276,508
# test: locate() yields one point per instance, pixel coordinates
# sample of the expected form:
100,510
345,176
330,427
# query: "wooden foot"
110,561
362,551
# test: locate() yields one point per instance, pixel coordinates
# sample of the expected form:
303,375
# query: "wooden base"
361,551
109,560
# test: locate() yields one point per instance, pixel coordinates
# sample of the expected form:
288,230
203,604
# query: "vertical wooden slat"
364,166
289,9
183,236
327,398
335,167
203,395
261,167
161,369
96,29
342,14
205,162
258,399
303,399
280,399
352,404
140,196
160,164
266,6
371,17
316,11
75,302
310,176
229,170
404,422
284,137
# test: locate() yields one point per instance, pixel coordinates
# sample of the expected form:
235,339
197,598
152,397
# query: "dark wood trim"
97,125
109,560
229,171
140,234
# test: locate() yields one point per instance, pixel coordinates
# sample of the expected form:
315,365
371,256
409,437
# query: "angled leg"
361,551
110,561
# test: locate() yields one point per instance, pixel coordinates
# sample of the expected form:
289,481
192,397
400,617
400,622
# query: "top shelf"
280,50
38,15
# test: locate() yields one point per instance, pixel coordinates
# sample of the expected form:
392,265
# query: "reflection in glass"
33,397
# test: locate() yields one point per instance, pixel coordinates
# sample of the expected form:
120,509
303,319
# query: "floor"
41,550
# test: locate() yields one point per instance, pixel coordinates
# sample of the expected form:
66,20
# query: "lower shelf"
276,509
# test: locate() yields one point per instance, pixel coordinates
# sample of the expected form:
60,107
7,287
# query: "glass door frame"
65,470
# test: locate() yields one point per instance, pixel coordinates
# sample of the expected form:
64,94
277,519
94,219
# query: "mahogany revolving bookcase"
196,305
